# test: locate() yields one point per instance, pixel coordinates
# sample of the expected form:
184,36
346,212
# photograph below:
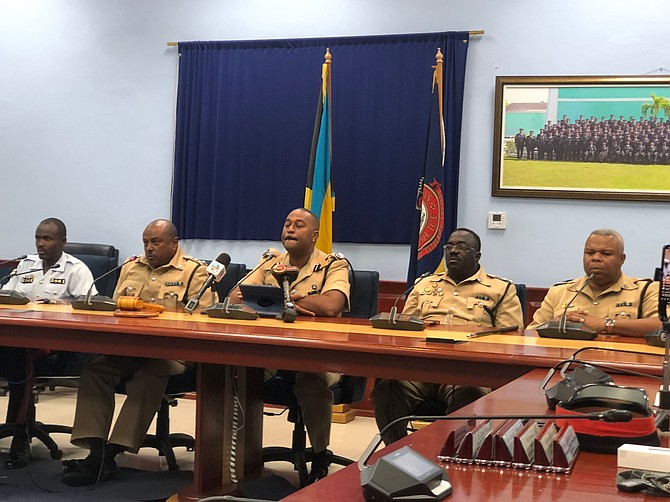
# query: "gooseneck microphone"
562,328
99,302
285,276
227,310
216,270
12,297
393,320
18,258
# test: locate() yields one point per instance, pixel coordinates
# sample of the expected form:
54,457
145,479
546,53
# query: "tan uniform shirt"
468,301
183,276
619,301
323,272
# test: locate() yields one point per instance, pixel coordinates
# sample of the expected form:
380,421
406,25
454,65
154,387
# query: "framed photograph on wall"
582,137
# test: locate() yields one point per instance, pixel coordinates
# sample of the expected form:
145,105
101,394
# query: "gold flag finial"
328,57
439,58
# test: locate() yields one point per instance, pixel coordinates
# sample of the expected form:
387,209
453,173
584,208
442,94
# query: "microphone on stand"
216,270
664,334
227,310
285,276
13,297
99,302
570,330
406,475
19,258
393,320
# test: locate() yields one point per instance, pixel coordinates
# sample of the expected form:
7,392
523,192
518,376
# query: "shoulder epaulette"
493,276
567,281
196,260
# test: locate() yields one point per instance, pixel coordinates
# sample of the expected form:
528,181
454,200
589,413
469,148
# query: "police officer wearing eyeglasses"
465,294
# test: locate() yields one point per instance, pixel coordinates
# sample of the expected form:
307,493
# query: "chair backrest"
521,293
99,258
364,294
234,272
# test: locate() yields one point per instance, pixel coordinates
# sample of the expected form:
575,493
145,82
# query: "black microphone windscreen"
224,259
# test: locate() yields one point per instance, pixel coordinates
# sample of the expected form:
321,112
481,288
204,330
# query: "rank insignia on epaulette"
55,280
624,304
317,267
174,283
27,280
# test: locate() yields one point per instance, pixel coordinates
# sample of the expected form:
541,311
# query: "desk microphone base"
402,322
11,297
97,302
232,311
570,331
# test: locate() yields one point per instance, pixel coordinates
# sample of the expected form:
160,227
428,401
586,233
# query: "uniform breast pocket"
624,312
480,310
131,288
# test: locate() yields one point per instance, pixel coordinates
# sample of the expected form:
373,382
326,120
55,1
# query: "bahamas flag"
429,233
319,195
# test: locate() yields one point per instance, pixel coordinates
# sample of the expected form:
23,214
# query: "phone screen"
664,289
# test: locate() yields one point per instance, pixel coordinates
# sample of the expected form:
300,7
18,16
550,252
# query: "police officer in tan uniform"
163,271
611,303
322,290
467,295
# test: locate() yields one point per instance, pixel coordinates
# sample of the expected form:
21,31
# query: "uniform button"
41,282
293,291
595,303
153,278
455,293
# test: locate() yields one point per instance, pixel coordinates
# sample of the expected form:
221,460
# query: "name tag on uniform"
27,280
624,304
174,283
54,280
481,297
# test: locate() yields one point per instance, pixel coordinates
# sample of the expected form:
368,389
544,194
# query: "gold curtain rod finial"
439,57
328,56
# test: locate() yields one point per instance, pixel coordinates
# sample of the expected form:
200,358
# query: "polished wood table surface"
592,479
337,345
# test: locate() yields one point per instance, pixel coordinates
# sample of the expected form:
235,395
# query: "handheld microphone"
19,258
12,297
99,302
285,276
404,472
216,270
393,320
569,330
227,310
664,334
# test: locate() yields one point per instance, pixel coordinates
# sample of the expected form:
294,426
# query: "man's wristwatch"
609,325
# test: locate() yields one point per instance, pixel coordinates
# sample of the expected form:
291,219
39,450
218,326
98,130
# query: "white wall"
87,114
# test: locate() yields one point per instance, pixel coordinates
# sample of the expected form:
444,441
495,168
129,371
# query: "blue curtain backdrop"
245,117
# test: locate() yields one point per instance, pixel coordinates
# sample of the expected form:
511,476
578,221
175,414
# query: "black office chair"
279,389
62,368
179,385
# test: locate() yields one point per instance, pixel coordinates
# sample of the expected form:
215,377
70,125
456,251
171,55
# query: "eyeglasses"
461,246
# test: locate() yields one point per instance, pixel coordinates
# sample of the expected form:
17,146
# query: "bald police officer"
322,290
468,295
611,303
164,270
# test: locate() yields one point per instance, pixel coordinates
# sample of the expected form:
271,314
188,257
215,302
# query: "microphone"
393,320
13,297
18,258
216,270
405,473
227,310
285,276
99,302
664,332
569,330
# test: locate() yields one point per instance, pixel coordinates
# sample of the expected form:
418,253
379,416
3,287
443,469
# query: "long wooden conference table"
592,479
232,354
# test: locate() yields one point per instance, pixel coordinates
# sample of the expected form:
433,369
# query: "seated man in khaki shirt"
322,290
611,303
163,272
467,295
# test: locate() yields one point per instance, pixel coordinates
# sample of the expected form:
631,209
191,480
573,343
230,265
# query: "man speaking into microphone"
321,289
163,272
611,302
50,276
